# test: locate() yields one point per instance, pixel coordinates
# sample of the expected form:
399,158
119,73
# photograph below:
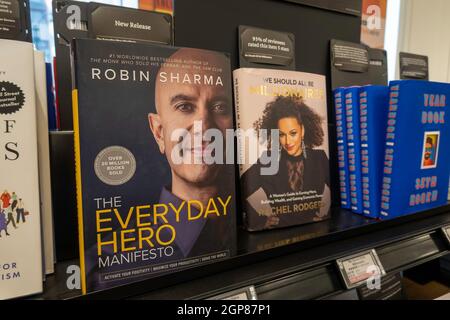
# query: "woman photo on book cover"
303,169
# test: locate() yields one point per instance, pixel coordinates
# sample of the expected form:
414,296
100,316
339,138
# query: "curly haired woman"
302,168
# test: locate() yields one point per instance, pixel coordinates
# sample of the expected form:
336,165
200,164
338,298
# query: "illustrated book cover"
20,220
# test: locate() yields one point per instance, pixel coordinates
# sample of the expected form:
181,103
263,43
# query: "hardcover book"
45,189
20,221
374,105
282,147
341,132
155,194
354,147
417,158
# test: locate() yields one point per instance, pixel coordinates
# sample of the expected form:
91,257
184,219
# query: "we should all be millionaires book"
417,157
20,220
354,147
283,147
155,194
341,133
374,105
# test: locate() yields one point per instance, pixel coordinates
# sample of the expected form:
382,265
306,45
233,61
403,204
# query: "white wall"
425,29
392,35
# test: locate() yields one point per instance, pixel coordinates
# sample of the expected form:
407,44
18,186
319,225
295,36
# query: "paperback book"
154,192
283,147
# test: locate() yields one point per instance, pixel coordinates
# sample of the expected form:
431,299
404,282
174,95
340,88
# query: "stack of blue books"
398,147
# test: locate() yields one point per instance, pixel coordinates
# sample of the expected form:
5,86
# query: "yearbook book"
282,147
341,131
354,147
374,105
417,157
155,192
20,220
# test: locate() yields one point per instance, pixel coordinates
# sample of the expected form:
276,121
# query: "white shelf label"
360,268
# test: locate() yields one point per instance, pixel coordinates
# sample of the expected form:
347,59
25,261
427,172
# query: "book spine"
341,130
353,148
390,150
79,185
239,135
44,162
365,153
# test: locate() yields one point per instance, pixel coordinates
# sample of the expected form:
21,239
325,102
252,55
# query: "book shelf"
292,263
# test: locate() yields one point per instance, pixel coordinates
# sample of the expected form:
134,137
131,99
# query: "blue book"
417,157
354,147
341,130
52,122
374,105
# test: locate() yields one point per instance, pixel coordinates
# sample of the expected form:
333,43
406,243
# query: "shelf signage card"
355,64
360,268
248,293
15,20
414,67
263,48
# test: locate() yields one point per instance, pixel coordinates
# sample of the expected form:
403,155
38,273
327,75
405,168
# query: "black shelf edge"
293,260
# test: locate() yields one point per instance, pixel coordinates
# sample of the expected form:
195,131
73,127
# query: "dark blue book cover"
374,104
417,156
354,147
154,194
52,123
341,131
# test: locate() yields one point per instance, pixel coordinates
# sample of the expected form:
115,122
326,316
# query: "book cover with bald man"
155,160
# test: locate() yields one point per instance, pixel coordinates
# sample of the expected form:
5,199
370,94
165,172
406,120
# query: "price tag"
357,269
248,293
446,231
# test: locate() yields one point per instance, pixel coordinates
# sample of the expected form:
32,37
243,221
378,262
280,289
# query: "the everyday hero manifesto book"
283,147
155,192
